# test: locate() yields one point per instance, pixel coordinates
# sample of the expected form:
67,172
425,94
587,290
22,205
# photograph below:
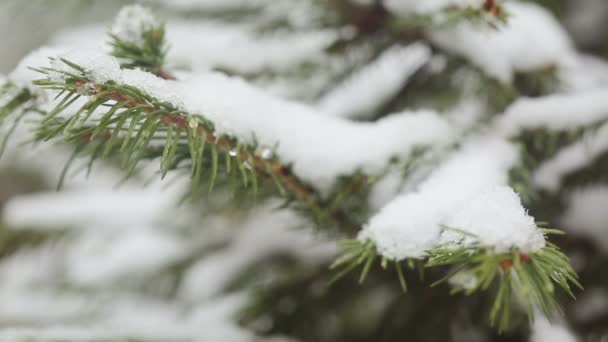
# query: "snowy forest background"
110,258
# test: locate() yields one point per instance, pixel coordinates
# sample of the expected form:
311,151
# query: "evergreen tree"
311,170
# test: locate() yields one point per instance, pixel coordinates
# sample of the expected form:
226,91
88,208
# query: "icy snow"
411,224
531,39
369,88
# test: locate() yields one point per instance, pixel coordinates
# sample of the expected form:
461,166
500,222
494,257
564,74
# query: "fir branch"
13,240
138,126
363,253
490,13
530,277
12,100
536,146
149,56
146,52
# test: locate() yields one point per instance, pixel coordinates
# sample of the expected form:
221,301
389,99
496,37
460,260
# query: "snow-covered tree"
311,170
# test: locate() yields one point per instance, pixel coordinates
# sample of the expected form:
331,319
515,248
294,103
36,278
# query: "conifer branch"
147,50
138,126
529,277
532,276
12,99
536,146
491,13
373,17
12,240
141,118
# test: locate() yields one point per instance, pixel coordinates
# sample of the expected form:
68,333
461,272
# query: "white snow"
23,76
114,207
531,39
202,46
587,72
556,112
417,7
586,214
109,263
124,318
24,289
407,227
206,45
543,331
411,224
97,260
496,218
369,88
209,276
324,147
211,4
464,279
571,158
132,22
387,188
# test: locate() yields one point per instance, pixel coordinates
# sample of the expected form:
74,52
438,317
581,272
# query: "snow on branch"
586,215
411,224
211,5
531,39
132,22
573,157
138,39
208,45
232,107
403,8
560,112
464,215
494,218
366,90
